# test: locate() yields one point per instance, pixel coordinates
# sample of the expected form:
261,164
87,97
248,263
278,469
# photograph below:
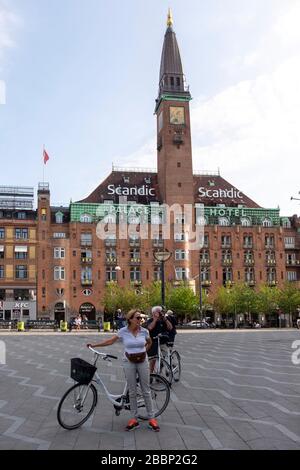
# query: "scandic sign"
147,191
231,193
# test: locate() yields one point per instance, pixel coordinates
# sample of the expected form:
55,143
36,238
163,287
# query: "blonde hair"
131,314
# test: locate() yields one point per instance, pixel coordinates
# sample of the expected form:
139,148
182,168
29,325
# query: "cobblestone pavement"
239,390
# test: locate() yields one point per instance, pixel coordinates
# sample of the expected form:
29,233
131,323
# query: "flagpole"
43,165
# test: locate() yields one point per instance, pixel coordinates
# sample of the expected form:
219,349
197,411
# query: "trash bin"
106,326
63,325
20,326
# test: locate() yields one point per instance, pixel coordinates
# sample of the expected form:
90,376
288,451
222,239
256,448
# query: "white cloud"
8,22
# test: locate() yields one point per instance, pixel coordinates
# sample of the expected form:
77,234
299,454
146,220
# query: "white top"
133,344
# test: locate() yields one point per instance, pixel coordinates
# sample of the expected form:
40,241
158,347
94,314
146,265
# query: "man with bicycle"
158,324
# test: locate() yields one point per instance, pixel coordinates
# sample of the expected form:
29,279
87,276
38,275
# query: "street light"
117,268
162,256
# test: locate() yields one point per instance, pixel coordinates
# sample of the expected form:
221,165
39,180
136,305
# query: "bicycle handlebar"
104,355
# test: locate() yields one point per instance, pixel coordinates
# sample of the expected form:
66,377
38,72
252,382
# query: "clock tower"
174,149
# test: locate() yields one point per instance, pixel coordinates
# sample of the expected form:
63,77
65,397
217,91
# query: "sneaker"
152,423
132,424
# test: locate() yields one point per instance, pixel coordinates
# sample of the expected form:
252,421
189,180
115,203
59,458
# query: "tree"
183,301
267,299
289,299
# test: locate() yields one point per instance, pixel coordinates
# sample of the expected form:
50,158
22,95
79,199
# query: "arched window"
59,217
267,222
245,222
86,218
224,221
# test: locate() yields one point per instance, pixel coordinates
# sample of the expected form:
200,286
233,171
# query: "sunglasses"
138,318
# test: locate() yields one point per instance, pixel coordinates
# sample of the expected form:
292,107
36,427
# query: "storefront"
15,310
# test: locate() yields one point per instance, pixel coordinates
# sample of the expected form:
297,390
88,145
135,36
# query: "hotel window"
59,253
2,233
86,274
286,223
205,274
133,219
181,255
135,255
57,235
20,252
249,274
1,271
227,275
111,255
289,242
179,237
226,256
181,274
59,273
86,239
224,221
21,215
21,271
226,241
248,257
59,217
86,218
245,222
248,241
135,274
271,275
291,276
21,233
206,241
269,241
204,256
267,222
44,214
111,274
157,273
2,252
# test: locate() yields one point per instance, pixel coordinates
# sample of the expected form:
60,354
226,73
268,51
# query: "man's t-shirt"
160,328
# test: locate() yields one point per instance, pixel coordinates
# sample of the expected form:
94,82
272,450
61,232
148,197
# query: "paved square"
239,390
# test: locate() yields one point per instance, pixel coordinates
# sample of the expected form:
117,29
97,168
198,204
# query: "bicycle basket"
82,371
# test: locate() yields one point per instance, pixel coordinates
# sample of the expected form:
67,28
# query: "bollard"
20,326
106,326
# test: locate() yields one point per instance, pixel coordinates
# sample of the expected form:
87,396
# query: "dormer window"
126,179
86,218
148,179
59,217
211,183
267,222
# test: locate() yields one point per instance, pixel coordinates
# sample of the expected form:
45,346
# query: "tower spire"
170,18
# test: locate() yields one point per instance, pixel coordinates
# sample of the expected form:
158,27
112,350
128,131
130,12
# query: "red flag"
46,156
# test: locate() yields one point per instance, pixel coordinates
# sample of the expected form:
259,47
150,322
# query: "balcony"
292,262
111,260
134,261
248,262
205,262
272,282
86,282
248,246
86,260
206,282
136,283
250,283
269,246
227,261
110,282
271,262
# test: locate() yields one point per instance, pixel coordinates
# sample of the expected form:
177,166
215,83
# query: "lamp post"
162,256
200,287
117,269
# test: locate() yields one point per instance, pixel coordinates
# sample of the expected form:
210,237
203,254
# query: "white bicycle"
79,402
167,360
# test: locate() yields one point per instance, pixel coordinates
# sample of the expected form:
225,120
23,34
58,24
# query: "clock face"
176,114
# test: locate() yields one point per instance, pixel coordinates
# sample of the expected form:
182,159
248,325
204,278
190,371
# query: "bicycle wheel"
76,406
164,369
160,394
176,365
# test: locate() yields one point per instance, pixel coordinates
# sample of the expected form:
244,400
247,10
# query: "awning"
1,248
20,249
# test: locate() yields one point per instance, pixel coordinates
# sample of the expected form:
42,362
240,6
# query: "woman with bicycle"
136,341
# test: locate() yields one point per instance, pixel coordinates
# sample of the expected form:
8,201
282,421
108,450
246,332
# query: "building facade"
18,243
84,246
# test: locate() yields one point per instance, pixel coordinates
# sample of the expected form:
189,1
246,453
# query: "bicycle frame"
111,397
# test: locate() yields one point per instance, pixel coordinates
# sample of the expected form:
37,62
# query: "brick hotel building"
243,242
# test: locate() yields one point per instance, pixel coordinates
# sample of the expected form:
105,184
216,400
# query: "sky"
81,78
